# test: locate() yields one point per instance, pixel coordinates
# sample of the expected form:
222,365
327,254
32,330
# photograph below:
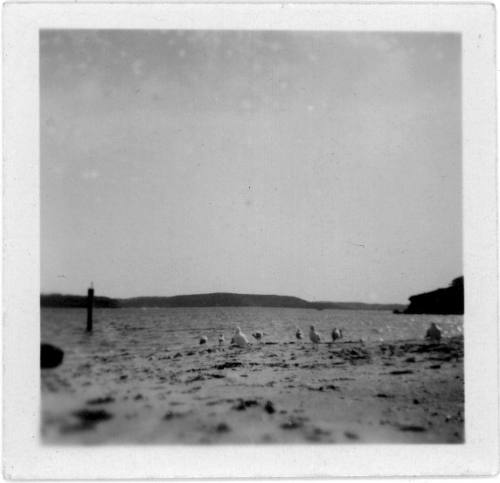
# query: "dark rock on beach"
169,415
101,400
244,404
88,419
228,365
50,356
269,407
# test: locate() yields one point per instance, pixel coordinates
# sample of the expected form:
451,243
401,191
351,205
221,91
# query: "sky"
324,165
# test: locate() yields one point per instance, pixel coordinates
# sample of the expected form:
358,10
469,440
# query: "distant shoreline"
207,300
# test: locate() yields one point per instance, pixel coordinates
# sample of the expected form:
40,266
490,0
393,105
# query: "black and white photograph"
249,233
272,224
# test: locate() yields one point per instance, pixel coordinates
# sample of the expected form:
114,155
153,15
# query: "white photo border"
25,457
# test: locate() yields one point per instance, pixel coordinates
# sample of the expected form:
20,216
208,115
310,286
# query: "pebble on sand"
269,407
298,334
203,339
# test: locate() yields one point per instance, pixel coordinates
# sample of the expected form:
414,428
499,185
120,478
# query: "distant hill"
216,300
208,300
75,301
449,300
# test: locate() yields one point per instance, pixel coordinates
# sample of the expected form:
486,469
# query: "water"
146,330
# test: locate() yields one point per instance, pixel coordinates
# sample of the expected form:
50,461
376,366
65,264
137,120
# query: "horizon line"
229,293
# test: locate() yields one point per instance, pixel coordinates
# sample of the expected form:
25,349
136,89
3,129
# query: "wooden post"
90,305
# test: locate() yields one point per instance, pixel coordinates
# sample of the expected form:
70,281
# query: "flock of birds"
239,339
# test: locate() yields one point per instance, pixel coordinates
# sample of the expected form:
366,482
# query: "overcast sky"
322,165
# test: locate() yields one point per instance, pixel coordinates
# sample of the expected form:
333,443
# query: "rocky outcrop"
449,300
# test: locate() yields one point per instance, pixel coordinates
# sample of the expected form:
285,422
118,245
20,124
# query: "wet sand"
288,392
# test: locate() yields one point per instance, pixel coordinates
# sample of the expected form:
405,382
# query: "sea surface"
149,329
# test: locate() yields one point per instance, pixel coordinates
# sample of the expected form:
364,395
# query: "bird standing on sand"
203,339
221,339
336,334
314,336
299,334
258,336
433,333
240,339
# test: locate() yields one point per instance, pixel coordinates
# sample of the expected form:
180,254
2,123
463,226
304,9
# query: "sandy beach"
409,391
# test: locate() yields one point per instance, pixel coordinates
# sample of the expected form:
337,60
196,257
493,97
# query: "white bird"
336,334
314,336
258,336
433,332
221,339
299,334
240,339
203,339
